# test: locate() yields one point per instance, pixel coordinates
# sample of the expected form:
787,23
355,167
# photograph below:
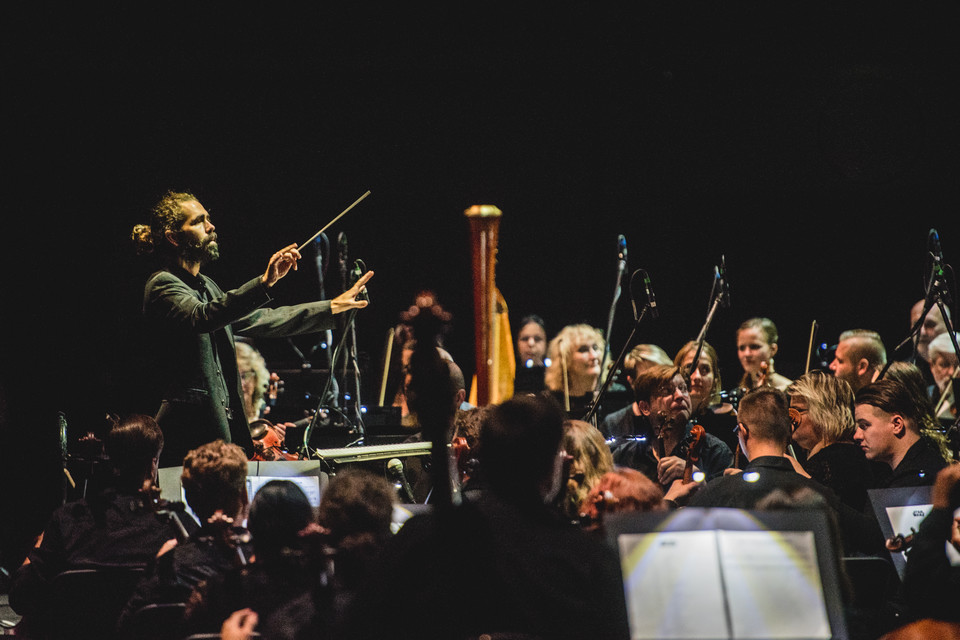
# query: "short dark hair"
652,379
892,396
131,445
765,412
519,442
356,503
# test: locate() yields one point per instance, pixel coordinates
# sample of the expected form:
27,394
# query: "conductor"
191,323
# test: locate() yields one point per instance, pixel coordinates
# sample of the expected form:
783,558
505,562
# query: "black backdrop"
813,145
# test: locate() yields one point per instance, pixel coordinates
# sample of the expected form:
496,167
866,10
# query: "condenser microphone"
395,469
651,300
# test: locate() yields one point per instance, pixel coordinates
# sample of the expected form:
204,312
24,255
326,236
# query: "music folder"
714,574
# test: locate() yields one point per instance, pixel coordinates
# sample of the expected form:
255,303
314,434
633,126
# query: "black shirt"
638,452
919,466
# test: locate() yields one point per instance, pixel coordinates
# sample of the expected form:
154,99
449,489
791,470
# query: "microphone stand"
621,267
595,405
326,338
936,294
720,296
321,408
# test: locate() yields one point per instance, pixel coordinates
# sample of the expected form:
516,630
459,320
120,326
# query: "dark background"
812,145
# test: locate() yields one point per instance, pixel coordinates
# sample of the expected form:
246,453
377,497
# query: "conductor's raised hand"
348,299
280,264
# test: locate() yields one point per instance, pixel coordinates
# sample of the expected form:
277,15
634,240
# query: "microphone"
622,251
319,242
342,245
395,469
342,257
935,242
358,269
651,300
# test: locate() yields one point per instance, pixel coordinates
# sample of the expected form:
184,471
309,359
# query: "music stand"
725,573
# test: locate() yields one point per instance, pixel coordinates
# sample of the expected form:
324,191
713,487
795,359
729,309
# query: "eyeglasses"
669,390
736,429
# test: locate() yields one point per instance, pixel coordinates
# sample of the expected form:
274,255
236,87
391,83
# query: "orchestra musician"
117,526
889,424
756,346
707,407
660,453
575,356
821,411
629,420
192,322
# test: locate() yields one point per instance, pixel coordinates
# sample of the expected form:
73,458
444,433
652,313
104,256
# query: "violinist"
576,358
629,420
118,526
756,346
821,411
260,388
214,480
192,322
660,451
707,408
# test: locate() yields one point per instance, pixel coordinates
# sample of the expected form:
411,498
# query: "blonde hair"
830,404
562,347
248,358
585,444
644,353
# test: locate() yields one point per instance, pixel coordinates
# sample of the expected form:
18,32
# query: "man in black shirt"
764,431
664,404
888,430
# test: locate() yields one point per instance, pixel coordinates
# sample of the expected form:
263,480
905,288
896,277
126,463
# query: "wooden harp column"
484,223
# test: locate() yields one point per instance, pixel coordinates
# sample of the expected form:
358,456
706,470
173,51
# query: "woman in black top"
821,408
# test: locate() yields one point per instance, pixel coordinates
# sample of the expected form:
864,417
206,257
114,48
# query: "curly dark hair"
166,215
214,478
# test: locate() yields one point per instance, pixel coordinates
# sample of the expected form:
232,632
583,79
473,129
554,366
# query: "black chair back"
86,603
158,622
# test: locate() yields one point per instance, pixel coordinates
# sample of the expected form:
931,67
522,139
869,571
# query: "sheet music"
673,585
773,584
309,484
695,585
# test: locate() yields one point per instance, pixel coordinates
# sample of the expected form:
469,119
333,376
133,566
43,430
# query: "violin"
150,497
221,529
901,542
696,439
267,444
460,451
